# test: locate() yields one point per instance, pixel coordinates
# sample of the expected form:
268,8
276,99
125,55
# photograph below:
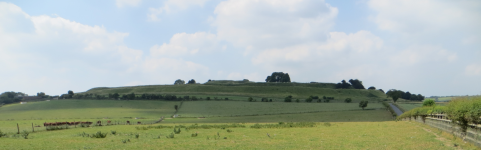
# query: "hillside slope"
276,90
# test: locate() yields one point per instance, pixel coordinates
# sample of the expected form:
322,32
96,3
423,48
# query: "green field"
87,109
342,135
226,108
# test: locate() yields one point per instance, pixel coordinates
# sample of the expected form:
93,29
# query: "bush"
250,99
429,102
25,134
288,99
99,135
171,136
348,100
113,132
208,98
285,125
193,134
2,134
177,131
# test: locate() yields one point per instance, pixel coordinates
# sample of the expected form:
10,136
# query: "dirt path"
446,142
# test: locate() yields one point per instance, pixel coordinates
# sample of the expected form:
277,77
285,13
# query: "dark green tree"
278,77
371,88
348,100
363,104
429,102
116,95
356,84
288,99
176,107
179,82
192,81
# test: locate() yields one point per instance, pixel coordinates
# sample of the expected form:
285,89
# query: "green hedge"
463,111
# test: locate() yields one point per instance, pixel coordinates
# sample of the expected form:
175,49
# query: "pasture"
237,108
87,109
340,135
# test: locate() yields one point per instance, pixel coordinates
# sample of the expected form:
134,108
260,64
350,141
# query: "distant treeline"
133,96
15,97
396,94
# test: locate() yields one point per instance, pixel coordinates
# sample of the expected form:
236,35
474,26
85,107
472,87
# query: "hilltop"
243,89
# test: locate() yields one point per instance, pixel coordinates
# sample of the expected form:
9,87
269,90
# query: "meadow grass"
87,109
341,135
236,108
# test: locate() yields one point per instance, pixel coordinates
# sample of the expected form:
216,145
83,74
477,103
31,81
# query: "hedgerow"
463,111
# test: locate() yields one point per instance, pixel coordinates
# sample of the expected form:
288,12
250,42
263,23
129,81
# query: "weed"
84,134
327,124
177,131
99,134
113,132
3,134
171,136
25,134
194,134
137,135
229,130
125,141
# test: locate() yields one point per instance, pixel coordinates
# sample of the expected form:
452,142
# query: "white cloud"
420,19
473,70
419,54
184,44
171,6
173,66
122,3
339,45
273,23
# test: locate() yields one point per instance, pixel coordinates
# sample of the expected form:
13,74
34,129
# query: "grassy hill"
240,91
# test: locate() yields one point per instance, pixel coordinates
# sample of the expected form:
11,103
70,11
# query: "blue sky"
421,46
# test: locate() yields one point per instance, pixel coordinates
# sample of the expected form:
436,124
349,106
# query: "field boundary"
472,134
291,113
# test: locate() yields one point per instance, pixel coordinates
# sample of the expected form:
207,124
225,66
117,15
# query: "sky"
428,47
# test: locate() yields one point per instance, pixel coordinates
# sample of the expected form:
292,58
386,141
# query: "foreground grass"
226,108
342,135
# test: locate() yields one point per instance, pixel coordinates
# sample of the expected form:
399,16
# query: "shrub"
429,102
113,132
25,134
285,125
226,98
194,134
288,99
171,136
137,135
177,131
348,100
2,134
270,100
99,135
207,98
297,100
327,124
250,99
229,130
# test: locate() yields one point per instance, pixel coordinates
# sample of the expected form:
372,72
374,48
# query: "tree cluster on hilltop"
11,97
396,94
356,84
278,77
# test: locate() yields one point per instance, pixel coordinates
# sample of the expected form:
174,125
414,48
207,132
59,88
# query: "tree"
116,95
363,104
288,99
429,102
309,99
179,82
41,94
70,93
278,77
356,84
372,88
348,100
381,90
176,107
343,85
192,81
394,94
406,96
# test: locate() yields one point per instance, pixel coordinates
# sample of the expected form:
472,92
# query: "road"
396,110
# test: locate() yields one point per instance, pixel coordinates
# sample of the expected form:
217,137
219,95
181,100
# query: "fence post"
33,130
18,129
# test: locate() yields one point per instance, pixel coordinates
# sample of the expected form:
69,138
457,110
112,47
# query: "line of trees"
353,84
145,96
278,77
396,94
11,97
